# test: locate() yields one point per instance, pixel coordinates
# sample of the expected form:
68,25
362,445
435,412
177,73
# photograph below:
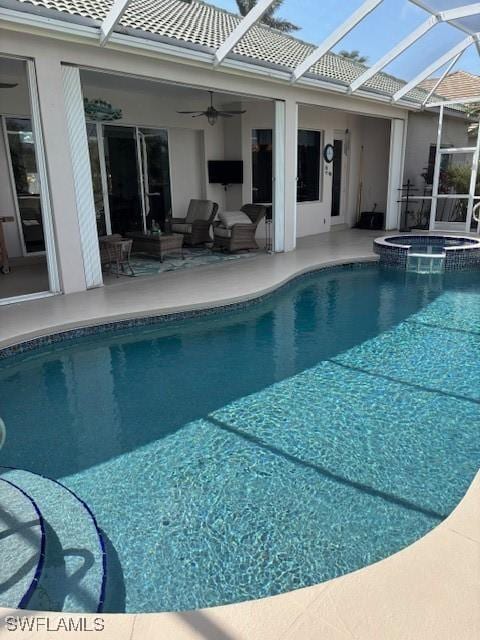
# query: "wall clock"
328,153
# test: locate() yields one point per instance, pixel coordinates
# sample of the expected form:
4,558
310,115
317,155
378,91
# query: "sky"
379,32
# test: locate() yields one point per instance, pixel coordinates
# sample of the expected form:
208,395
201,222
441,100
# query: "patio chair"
195,227
240,235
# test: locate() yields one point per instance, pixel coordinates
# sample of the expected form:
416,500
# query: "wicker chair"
195,227
239,236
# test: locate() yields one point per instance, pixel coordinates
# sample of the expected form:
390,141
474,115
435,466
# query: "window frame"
321,165
252,130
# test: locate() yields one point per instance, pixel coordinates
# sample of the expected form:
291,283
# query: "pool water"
253,452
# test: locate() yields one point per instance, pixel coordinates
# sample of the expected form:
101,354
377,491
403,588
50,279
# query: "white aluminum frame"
447,103
442,77
460,12
111,21
250,20
389,57
334,38
471,197
439,62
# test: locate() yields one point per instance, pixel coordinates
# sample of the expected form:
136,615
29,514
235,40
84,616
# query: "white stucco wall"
373,134
422,132
187,168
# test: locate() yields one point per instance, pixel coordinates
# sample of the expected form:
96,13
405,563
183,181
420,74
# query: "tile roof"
206,26
459,84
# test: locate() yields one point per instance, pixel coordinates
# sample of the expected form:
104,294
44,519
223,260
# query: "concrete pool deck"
428,591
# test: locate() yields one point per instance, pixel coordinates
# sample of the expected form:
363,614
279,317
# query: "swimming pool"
248,453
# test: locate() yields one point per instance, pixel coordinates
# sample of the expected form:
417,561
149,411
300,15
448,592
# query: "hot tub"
457,252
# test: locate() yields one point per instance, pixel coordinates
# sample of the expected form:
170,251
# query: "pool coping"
436,575
385,241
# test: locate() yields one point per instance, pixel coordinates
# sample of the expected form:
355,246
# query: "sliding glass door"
27,184
131,177
123,179
156,175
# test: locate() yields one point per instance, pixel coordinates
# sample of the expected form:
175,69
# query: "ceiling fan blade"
234,113
199,115
190,112
222,114
8,85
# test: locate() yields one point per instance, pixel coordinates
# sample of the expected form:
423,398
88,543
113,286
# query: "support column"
82,175
395,174
285,172
60,175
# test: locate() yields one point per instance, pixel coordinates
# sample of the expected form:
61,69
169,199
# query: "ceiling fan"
8,85
211,113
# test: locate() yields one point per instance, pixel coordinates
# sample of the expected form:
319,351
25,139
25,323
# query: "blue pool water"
251,453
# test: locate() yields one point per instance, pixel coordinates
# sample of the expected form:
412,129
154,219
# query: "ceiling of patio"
146,86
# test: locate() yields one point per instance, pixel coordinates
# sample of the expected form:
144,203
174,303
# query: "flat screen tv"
225,172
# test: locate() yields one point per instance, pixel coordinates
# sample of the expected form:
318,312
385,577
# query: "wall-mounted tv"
225,172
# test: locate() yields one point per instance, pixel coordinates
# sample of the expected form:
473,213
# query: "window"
262,165
308,183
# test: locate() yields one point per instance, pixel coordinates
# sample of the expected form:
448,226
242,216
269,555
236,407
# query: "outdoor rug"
194,257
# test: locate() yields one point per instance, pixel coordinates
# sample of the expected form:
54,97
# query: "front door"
338,180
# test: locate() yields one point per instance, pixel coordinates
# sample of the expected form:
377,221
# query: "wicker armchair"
195,227
239,236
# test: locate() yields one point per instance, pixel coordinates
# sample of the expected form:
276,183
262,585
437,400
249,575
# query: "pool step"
73,574
22,542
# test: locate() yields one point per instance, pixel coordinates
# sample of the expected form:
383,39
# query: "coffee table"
157,245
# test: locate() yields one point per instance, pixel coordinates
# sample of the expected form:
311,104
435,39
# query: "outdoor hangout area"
239,312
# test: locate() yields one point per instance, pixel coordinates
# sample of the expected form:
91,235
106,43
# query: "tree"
268,18
354,56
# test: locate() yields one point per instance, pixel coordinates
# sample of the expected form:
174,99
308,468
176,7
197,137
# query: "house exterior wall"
49,53
422,132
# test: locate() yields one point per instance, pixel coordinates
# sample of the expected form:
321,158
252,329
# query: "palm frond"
268,18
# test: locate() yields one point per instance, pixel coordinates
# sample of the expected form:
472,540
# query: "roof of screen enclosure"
227,38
